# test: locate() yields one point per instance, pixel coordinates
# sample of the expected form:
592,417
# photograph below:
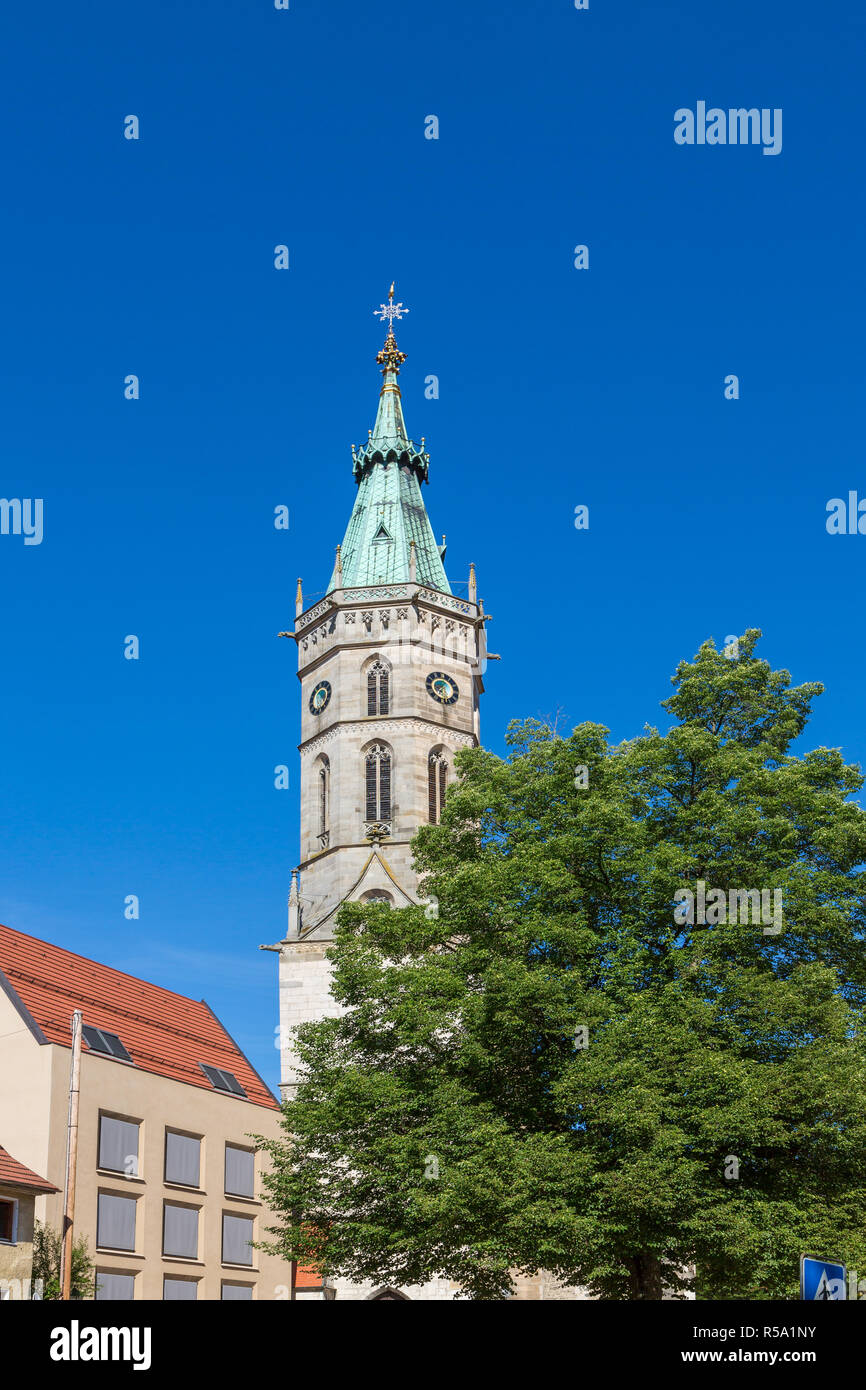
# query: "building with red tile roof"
168,1189
163,1032
19,1188
15,1174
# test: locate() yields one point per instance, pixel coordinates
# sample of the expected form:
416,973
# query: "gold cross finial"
390,311
390,358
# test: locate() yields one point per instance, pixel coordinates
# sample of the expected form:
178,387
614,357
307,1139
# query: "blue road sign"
822,1280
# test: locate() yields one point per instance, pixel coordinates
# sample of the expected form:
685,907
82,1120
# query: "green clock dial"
320,697
442,688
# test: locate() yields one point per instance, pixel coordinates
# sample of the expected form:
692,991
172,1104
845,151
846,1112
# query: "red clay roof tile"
14,1174
163,1032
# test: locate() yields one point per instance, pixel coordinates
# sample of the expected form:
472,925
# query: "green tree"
553,1072
46,1264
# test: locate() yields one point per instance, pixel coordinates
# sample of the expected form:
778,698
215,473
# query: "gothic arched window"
377,689
378,783
437,773
323,797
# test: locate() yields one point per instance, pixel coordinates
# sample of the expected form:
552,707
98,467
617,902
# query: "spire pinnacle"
390,357
294,908
389,536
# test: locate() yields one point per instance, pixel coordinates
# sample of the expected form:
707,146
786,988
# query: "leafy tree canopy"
554,1070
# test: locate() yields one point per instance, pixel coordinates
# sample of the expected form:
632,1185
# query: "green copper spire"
389,514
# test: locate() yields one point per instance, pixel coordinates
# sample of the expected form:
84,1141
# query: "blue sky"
558,387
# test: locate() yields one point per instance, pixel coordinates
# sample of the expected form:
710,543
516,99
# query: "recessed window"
223,1080
236,1293
114,1288
8,1220
182,1158
237,1240
179,1290
118,1145
109,1044
437,773
378,784
240,1171
377,689
324,800
180,1231
115,1222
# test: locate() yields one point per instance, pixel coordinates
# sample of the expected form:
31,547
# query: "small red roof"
163,1032
14,1174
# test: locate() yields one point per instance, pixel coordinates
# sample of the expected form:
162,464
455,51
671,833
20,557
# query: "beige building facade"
169,1179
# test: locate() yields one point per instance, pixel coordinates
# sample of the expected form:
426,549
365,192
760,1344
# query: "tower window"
377,689
437,772
324,801
378,784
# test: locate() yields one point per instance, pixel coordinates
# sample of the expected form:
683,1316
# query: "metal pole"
71,1160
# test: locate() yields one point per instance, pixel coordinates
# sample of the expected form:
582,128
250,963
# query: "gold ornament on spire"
390,358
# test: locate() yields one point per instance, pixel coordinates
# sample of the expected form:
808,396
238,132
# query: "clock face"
320,697
442,688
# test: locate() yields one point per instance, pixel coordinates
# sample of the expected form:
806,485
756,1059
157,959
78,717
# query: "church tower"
390,665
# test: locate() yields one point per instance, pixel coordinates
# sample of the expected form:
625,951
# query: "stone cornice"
385,593
403,841
381,643
385,726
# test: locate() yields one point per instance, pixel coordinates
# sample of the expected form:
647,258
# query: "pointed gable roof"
162,1032
376,874
15,1174
389,513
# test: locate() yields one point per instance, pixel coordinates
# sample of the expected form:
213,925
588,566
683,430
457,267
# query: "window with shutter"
118,1145
240,1171
179,1290
237,1293
114,1288
237,1239
115,1222
180,1231
182,1158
